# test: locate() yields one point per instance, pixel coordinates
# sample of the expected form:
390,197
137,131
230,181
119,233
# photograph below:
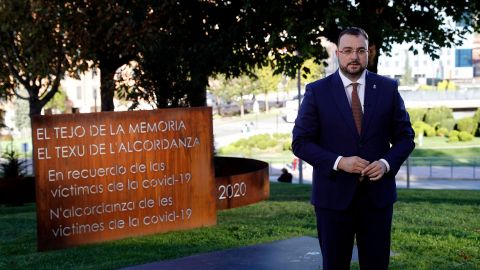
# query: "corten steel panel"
154,173
240,181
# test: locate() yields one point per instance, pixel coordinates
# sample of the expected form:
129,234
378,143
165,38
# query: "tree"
36,51
178,45
197,39
58,101
232,37
434,23
407,76
232,89
267,82
110,34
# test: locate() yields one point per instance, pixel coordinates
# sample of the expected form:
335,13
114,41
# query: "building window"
463,58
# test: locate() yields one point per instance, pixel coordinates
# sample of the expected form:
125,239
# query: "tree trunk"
107,86
266,102
373,57
198,94
35,108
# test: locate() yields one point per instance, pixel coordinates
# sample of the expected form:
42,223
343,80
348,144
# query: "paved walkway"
300,253
420,177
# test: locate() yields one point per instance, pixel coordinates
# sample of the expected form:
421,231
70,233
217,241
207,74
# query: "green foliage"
287,146
178,45
448,123
418,128
312,71
435,115
442,132
424,87
453,136
453,139
38,49
58,101
417,114
467,125
260,142
432,229
453,133
13,167
429,131
421,127
447,85
465,136
477,115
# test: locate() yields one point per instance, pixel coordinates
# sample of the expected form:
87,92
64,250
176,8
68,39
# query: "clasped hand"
355,164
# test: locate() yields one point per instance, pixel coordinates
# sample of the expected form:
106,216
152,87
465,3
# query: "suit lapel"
340,98
370,100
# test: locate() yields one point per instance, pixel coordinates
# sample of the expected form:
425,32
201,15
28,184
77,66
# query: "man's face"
352,54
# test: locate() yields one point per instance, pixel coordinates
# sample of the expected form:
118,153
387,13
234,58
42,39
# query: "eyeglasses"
348,52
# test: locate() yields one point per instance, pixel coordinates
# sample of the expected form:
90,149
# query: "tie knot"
354,86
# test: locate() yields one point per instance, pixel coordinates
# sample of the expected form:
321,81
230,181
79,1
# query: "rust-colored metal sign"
103,176
240,181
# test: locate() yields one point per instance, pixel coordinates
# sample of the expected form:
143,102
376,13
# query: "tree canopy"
36,51
175,46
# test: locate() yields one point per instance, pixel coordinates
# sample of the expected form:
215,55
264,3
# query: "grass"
460,153
431,230
441,142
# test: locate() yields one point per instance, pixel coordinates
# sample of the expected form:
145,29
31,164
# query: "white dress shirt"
347,84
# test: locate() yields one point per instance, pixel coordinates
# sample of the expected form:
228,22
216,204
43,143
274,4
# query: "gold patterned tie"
356,108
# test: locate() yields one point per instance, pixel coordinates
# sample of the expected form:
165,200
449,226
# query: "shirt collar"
347,82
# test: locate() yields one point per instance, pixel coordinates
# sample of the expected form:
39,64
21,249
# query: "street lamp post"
299,86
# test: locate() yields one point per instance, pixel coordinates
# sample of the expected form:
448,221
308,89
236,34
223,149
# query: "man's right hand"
353,164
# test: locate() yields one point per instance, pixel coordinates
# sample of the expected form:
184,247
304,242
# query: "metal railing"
447,168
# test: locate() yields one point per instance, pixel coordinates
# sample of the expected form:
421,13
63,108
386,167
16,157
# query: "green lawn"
441,142
432,230
463,153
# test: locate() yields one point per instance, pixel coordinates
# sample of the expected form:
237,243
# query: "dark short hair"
354,31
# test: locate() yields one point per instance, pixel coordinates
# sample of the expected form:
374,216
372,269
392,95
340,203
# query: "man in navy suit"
353,128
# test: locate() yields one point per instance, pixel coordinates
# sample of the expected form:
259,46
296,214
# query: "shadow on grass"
290,192
8,209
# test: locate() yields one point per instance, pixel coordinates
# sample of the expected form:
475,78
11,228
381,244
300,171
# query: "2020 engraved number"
232,191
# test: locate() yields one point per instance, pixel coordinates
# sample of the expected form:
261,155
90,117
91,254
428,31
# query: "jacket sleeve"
402,137
306,135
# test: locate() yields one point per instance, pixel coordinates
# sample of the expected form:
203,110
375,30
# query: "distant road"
229,129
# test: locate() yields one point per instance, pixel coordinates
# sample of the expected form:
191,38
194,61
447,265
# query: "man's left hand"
375,170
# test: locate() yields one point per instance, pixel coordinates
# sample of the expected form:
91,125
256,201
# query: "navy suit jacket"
325,129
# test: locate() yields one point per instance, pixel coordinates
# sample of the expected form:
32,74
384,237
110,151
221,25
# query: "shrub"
420,127
287,146
468,125
453,139
465,136
13,167
442,131
477,115
437,114
453,136
448,123
247,146
429,131
417,114
453,133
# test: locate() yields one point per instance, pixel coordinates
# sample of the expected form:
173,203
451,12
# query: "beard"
352,71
